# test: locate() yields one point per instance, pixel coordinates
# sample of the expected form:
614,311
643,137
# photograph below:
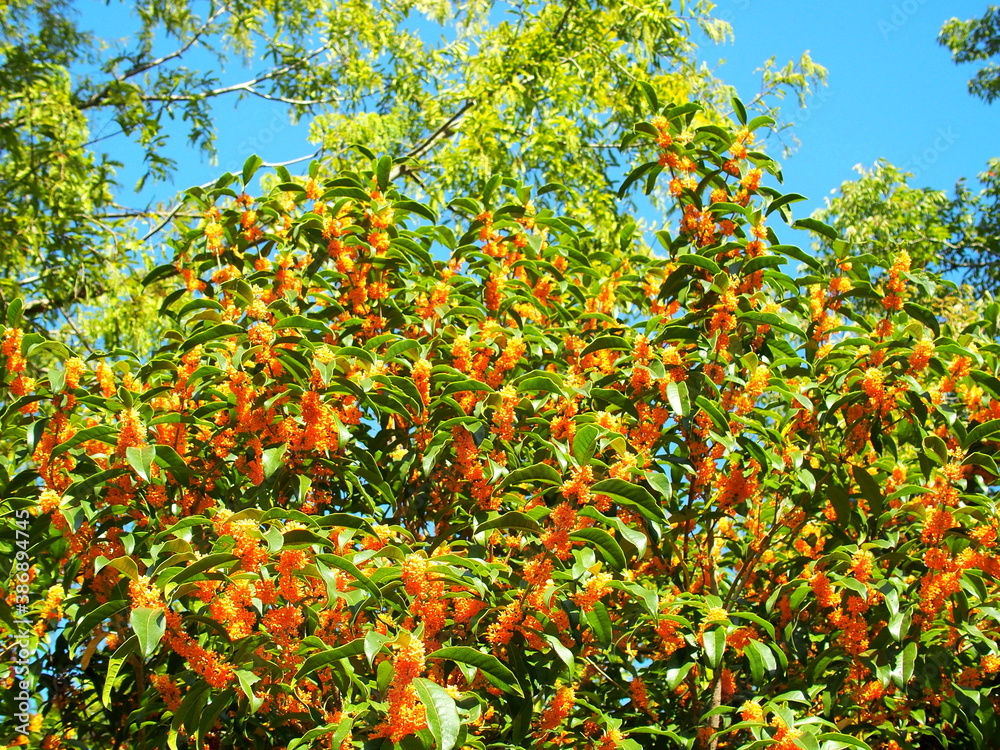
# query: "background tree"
399,482
958,236
977,40
462,90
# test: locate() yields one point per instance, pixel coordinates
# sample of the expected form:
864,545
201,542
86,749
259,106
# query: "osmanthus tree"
394,481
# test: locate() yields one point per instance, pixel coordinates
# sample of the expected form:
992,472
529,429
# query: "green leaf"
980,432
606,342
815,225
565,655
247,680
383,170
632,540
149,625
399,348
637,174
208,562
627,493
934,445
756,620
190,711
141,459
904,665
797,253
650,95
844,740
512,520
714,642
870,489
677,397
125,565
301,322
223,330
342,563
699,261
250,167
546,382
497,674
761,654
104,433
763,261
648,596
899,625
585,443
740,110
600,623
272,459
114,667
925,316
85,486
441,711
159,273
756,663
416,208
784,200
325,659
718,417
605,543
530,474
982,459
761,121
85,622
374,642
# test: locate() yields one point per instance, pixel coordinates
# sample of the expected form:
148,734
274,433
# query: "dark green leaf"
325,659
497,674
531,474
441,712
585,443
605,543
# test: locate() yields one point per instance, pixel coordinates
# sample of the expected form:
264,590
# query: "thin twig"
429,142
244,86
138,68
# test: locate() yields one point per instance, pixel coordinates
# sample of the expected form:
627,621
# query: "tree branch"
443,131
44,305
248,86
99,96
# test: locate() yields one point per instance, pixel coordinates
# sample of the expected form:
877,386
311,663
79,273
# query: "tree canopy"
395,481
977,40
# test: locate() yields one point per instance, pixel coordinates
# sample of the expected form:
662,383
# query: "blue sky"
893,93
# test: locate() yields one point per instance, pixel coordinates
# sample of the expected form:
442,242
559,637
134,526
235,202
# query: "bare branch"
99,96
443,131
166,220
247,87
271,165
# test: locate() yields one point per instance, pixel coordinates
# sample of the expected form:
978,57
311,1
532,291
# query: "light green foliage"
975,40
882,214
465,90
958,236
974,220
